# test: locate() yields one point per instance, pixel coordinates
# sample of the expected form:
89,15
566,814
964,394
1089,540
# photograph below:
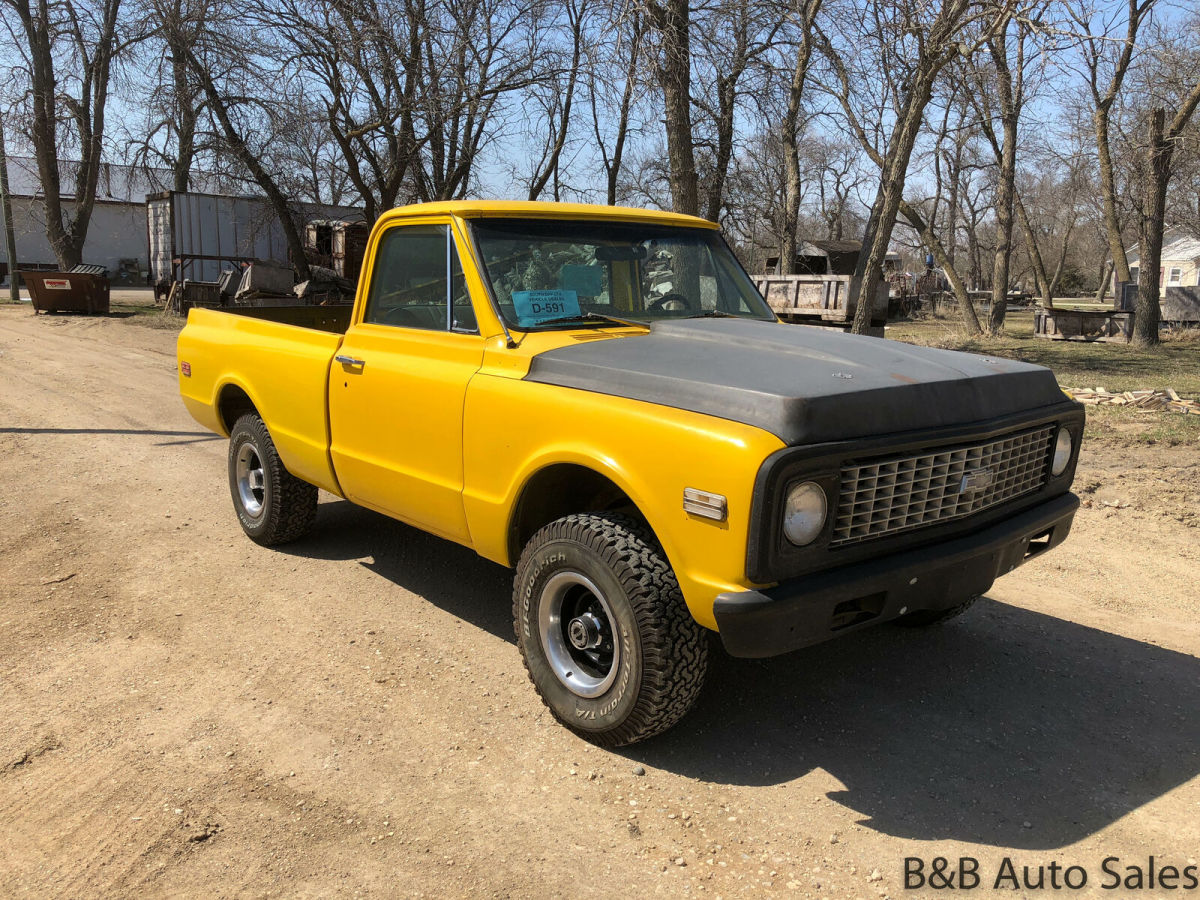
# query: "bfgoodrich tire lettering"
660,654
272,505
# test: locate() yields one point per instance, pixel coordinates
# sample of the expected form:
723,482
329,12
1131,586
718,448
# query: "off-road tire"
924,618
289,505
664,656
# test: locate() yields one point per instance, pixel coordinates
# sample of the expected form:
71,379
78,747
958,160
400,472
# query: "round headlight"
804,513
1062,452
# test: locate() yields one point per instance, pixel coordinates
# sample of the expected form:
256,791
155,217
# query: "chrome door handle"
350,361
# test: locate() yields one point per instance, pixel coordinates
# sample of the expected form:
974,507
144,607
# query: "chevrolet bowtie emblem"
975,480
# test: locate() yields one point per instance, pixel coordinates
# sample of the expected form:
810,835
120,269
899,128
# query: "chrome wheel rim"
251,480
578,633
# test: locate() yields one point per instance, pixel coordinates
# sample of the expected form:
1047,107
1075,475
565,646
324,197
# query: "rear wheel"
272,505
603,629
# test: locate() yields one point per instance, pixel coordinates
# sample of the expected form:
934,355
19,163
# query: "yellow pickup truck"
599,398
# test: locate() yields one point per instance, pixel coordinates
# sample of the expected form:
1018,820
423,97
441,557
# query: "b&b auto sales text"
964,874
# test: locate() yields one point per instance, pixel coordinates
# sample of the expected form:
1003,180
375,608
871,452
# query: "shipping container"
195,236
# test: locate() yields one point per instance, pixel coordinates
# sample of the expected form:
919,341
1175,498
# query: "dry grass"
1116,367
147,315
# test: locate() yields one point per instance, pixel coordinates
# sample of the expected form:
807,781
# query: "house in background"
117,230
1180,264
1178,278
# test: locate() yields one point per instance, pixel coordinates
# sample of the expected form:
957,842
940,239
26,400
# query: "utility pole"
10,240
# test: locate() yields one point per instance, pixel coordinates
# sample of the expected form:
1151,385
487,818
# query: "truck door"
397,385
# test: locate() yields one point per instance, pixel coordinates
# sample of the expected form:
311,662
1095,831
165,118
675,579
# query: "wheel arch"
562,488
233,401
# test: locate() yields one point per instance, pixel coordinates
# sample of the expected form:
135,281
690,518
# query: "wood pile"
1156,400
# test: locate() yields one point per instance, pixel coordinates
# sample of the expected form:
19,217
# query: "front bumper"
823,605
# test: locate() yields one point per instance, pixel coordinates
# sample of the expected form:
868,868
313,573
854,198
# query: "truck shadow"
965,732
1008,727
190,437
449,576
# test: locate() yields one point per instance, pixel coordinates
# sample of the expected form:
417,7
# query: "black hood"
806,385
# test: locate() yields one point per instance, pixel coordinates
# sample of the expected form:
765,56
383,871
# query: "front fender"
514,429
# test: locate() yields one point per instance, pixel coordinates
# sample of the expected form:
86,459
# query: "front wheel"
603,629
272,505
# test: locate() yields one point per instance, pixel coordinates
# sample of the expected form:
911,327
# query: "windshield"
553,273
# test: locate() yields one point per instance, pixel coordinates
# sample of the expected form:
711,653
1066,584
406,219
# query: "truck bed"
816,298
334,319
277,357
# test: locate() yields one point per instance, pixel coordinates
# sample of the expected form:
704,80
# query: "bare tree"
555,94
1108,40
1009,82
366,58
1048,209
755,198
473,58
975,204
912,41
670,22
806,12
67,51
1005,76
732,38
242,93
167,132
950,140
942,258
611,100
1174,78
835,169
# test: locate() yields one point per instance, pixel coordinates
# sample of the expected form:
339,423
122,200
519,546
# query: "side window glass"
462,314
409,281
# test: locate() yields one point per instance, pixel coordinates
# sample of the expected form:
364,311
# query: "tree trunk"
1108,191
51,104
613,166
868,272
952,203
250,160
1035,256
1106,273
970,319
1010,100
727,102
791,208
44,127
10,240
674,75
1064,246
575,15
1004,228
791,143
186,123
1150,233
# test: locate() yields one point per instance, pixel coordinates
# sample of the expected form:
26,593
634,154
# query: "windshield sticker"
535,307
585,281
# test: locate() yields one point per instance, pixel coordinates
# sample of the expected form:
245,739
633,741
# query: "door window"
417,281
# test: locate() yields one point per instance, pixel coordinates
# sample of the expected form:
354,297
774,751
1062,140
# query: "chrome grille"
899,493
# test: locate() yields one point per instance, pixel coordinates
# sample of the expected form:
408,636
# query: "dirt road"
186,713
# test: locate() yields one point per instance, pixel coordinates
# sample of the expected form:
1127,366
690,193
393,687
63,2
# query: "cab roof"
531,209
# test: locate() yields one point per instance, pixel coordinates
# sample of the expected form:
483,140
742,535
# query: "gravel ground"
186,713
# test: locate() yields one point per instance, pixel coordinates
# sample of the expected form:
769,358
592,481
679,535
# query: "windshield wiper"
713,314
594,317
